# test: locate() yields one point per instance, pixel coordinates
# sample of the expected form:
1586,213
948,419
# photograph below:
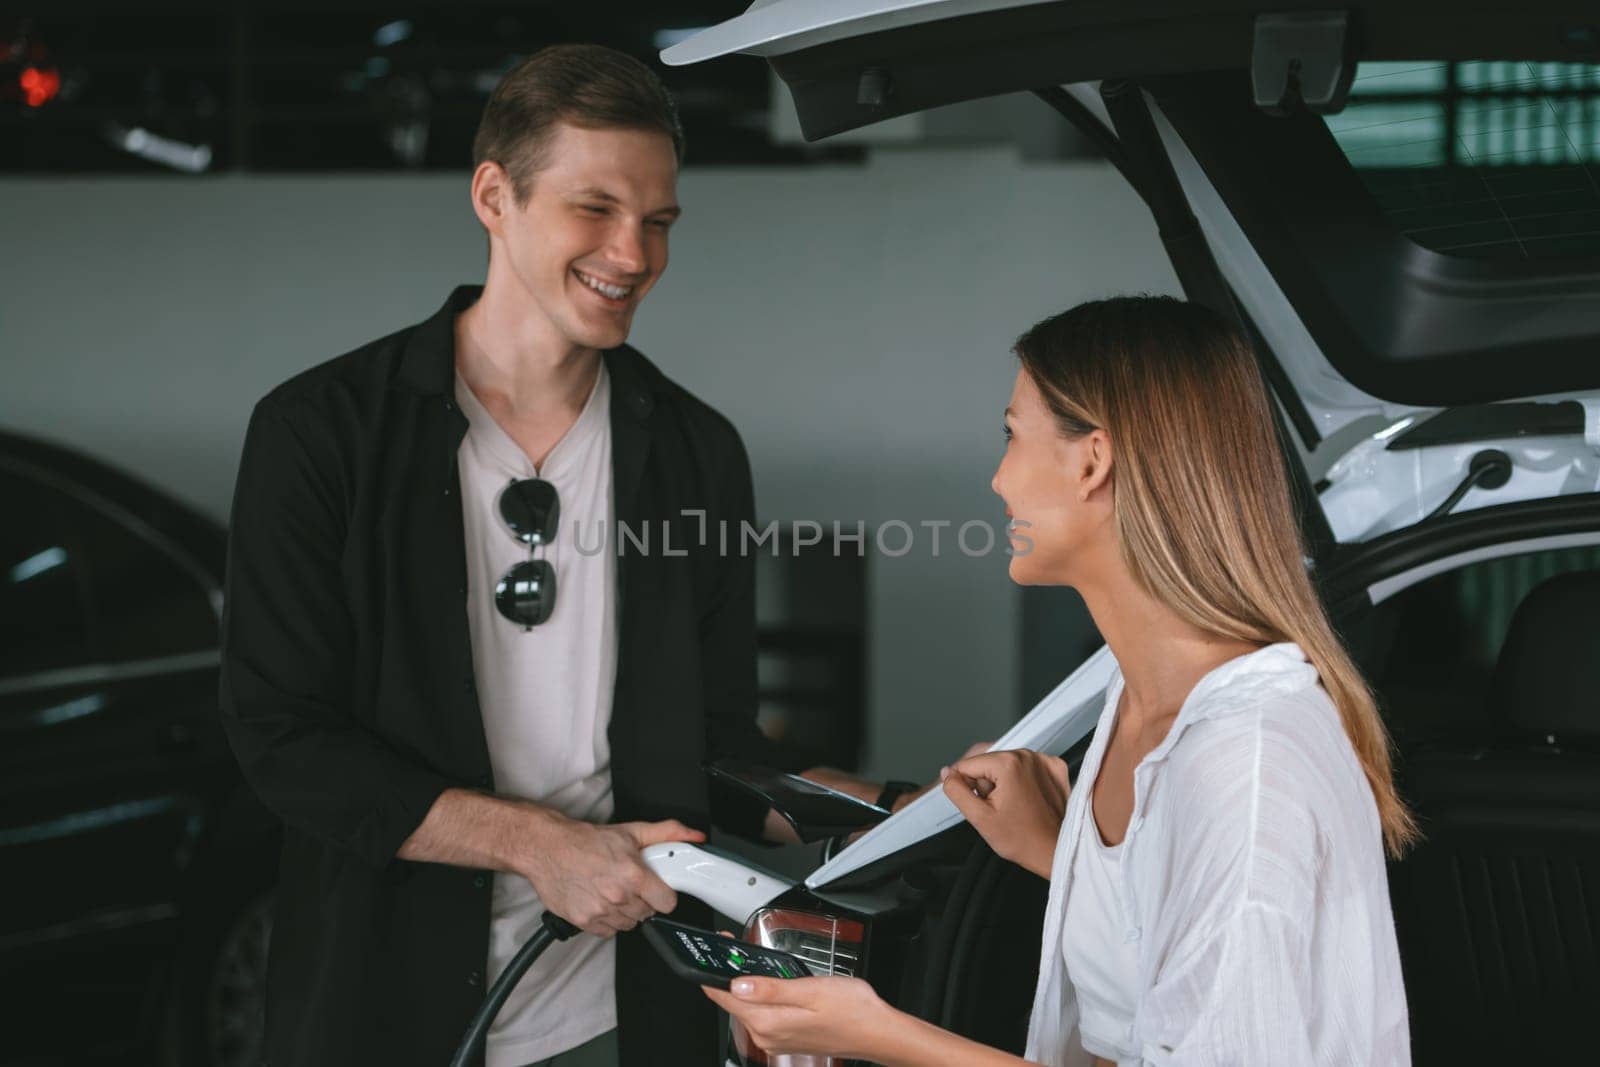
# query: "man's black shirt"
348,695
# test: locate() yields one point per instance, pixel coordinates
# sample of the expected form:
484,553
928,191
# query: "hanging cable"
552,928
1489,469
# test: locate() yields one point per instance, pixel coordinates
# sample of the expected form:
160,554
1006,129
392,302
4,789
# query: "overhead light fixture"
392,33
191,159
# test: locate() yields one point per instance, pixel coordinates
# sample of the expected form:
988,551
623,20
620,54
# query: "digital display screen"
726,958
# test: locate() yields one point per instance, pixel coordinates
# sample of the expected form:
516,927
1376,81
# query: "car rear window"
1492,160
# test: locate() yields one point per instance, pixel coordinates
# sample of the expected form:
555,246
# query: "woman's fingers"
994,766
975,783
723,1000
974,808
801,1015
1059,772
1014,799
753,1017
766,990
992,769
787,991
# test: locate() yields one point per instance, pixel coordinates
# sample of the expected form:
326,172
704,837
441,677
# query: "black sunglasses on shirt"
531,510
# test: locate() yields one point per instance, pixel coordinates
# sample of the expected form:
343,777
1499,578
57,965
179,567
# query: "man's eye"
661,224
594,209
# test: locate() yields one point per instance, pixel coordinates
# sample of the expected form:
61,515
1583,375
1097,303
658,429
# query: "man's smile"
613,293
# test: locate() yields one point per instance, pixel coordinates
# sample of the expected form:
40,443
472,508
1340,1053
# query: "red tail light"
826,944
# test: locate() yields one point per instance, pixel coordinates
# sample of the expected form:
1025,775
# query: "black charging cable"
552,928
1489,469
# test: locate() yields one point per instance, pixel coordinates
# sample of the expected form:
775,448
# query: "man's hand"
1016,800
592,876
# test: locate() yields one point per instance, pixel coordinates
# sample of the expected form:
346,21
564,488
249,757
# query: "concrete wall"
853,321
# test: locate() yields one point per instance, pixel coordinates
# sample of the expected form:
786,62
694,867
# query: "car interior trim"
1356,568
1489,422
944,52
1380,591
1328,400
1398,320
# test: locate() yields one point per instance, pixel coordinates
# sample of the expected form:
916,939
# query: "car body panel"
946,51
777,27
116,782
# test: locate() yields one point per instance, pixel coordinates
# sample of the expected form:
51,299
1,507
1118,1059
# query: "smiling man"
465,701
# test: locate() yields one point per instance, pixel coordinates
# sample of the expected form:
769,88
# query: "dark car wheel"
236,994
220,996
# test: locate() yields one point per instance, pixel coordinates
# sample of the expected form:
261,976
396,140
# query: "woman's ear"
1096,458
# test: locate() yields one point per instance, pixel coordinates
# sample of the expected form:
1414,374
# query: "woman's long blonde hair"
1202,501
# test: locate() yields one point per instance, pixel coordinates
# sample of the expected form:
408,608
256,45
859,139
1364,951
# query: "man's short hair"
586,85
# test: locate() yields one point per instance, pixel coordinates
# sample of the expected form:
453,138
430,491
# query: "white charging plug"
729,885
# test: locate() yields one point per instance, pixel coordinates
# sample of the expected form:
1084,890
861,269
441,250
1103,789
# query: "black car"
137,867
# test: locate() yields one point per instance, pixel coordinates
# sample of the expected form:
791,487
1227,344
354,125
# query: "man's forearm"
465,828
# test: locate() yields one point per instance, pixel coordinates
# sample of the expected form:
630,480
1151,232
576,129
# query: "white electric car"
1400,202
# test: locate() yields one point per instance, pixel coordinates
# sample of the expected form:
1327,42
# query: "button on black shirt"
344,652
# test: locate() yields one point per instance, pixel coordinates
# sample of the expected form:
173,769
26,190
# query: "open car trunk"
1399,203
1401,200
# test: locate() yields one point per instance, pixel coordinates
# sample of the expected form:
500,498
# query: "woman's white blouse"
1254,886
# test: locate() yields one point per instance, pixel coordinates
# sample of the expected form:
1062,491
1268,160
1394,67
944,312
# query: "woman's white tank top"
1101,963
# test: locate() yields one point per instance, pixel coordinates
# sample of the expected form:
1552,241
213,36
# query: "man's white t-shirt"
545,695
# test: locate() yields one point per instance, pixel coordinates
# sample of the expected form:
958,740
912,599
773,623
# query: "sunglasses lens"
527,593
532,510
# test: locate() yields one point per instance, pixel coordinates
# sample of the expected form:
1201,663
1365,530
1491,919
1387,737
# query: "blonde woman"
1217,886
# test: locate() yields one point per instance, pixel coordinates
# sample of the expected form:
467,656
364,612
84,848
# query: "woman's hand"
823,1016
1015,799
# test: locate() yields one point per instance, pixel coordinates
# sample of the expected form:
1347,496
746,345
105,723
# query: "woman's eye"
1007,431
594,209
